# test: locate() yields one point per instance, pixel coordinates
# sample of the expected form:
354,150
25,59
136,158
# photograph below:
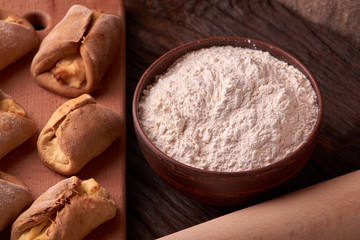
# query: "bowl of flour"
226,119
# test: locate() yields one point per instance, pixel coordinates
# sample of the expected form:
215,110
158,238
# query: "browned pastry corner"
78,131
75,55
14,197
69,210
15,127
18,38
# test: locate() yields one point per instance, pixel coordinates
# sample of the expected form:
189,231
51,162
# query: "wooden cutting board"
110,167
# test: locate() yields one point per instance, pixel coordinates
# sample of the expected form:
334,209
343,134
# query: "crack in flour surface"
228,109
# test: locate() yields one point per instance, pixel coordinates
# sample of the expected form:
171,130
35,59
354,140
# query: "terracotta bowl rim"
194,44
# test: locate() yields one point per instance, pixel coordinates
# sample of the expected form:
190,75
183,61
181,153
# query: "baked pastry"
69,210
15,127
18,38
15,196
78,131
75,55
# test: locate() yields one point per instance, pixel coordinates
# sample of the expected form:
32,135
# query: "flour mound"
228,109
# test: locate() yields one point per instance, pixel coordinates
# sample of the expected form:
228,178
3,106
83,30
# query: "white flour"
228,109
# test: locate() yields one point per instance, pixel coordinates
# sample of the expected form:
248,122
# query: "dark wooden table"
154,209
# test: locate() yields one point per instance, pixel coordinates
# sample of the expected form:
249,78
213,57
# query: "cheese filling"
36,233
70,70
91,187
9,19
8,105
13,20
57,155
87,187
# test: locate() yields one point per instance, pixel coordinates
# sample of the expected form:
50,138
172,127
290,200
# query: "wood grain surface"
154,209
109,168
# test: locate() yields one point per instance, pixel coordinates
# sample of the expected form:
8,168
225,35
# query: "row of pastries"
71,61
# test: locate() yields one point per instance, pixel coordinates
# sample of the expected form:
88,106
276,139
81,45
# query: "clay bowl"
223,188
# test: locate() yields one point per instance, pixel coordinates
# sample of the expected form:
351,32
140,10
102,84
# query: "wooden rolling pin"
328,210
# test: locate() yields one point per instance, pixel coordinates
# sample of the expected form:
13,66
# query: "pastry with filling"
14,197
15,127
75,55
17,38
78,131
69,210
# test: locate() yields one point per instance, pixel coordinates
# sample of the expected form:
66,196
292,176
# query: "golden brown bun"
97,42
15,196
68,211
17,38
15,129
83,129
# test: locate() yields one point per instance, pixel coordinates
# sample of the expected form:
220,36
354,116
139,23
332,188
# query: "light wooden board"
110,167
